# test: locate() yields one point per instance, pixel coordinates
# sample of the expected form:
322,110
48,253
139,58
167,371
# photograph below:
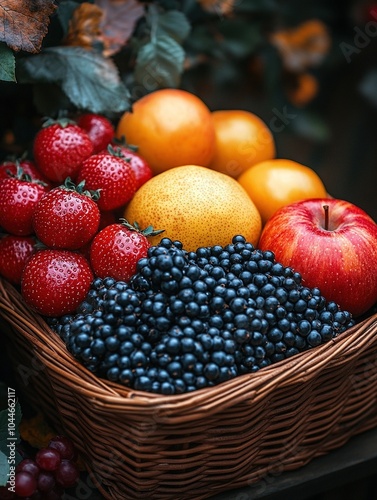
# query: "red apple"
333,245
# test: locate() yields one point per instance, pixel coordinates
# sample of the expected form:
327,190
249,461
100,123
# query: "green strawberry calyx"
148,231
24,177
117,151
123,143
63,121
69,185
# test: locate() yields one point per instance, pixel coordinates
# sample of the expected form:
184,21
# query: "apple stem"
326,209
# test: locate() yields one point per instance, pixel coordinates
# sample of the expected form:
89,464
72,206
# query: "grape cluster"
189,320
48,474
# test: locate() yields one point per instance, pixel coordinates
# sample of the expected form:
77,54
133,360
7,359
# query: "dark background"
335,133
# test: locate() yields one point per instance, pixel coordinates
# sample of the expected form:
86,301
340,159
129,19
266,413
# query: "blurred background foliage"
309,69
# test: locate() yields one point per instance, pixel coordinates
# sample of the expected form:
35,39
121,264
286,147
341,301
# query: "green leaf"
65,12
203,42
7,64
4,469
159,63
240,38
90,81
173,23
235,39
5,466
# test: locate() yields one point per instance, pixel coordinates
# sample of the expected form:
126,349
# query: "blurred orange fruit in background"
274,183
242,140
170,127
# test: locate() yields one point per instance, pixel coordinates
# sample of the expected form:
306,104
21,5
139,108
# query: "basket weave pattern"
141,445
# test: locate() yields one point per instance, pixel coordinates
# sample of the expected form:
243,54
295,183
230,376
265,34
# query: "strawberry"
106,219
67,216
28,166
112,175
18,198
15,251
55,282
117,248
139,165
59,149
99,129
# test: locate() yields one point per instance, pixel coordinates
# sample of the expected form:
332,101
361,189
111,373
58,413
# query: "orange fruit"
242,140
274,183
196,206
171,127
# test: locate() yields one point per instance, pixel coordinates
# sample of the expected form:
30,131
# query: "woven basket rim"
50,349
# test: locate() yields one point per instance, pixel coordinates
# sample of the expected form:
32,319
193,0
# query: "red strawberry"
116,249
59,149
15,251
67,216
55,282
139,165
99,129
112,176
28,167
18,198
106,219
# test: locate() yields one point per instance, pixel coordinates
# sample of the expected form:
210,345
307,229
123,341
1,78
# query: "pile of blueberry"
189,320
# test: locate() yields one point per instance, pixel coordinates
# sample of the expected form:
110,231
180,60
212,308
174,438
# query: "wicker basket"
195,445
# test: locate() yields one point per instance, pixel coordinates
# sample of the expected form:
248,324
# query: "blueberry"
189,320
211,371
314,338
113,374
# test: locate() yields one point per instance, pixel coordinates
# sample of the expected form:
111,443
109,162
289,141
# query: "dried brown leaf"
36,431
24,23
120,18
304,46
84,27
